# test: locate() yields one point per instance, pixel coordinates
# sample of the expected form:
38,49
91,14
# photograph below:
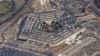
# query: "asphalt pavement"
92,7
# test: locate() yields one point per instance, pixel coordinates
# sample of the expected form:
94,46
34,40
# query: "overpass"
92,7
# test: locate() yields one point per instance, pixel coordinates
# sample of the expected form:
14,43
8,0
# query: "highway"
92,7
13,19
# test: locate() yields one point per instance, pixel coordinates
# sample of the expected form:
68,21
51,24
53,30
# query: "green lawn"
5,7
18,3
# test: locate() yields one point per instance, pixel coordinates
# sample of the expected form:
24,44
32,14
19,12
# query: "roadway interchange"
14,18
92,7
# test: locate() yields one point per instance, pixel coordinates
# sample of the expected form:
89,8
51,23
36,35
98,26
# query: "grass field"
4,7
18,5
